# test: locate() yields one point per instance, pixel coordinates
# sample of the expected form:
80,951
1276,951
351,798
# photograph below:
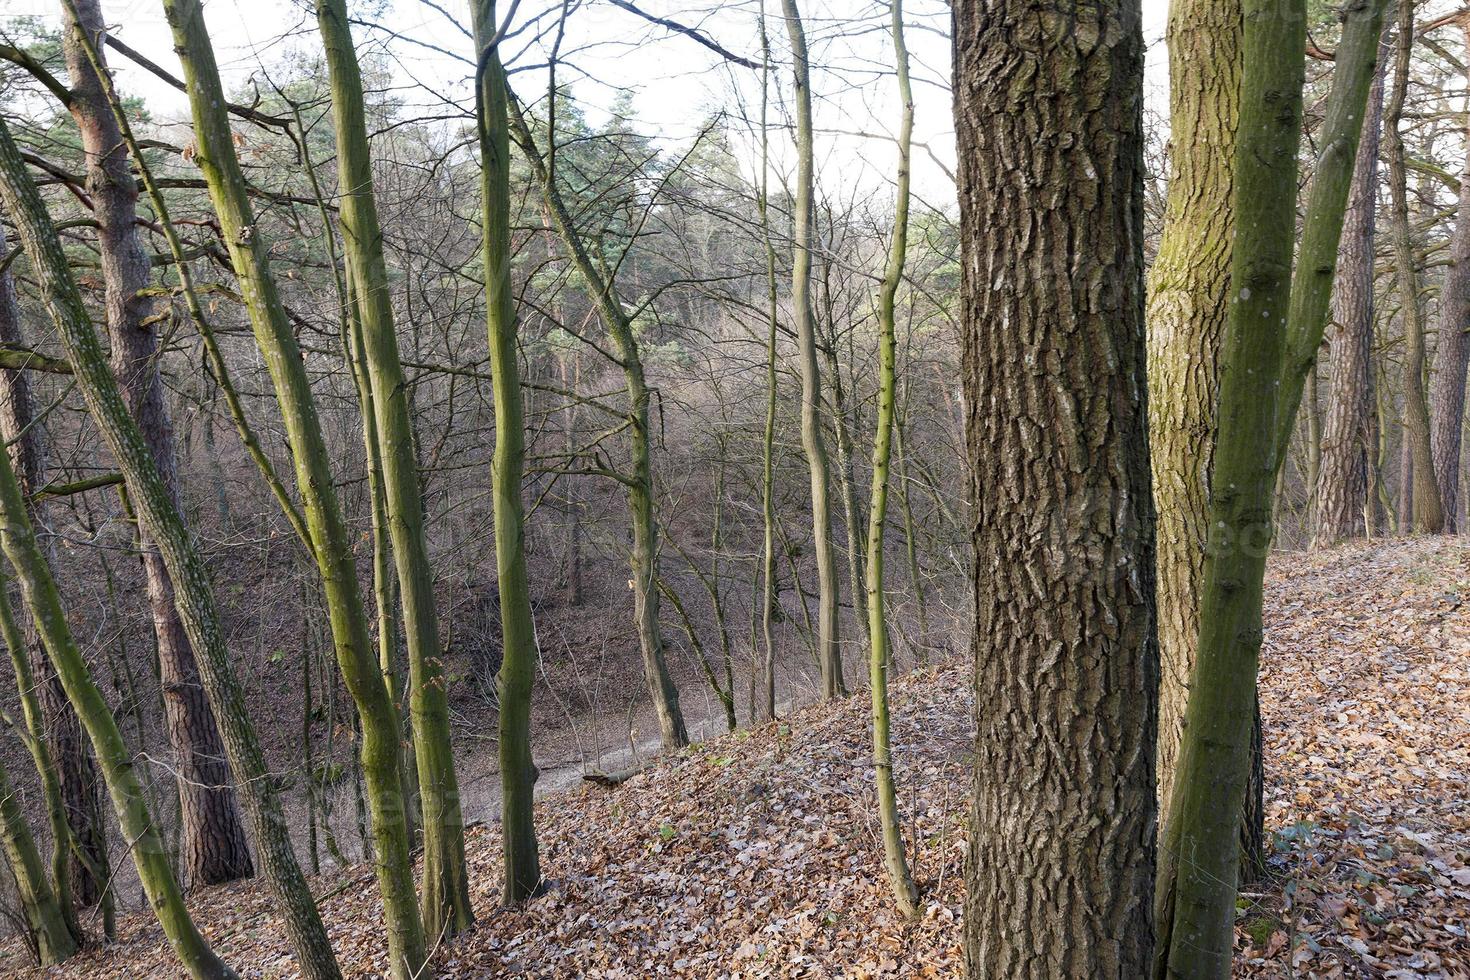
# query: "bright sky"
676,81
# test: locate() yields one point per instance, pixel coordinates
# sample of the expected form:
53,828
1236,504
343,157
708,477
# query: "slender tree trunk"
1274,331
638,485
49,922
331,548
1066,665
445,885
895,856
1426,515
763,704
75,769
518,665
213,836
158,518
1347,451
1452,354
829,651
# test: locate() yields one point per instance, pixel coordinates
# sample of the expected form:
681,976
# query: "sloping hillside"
756,855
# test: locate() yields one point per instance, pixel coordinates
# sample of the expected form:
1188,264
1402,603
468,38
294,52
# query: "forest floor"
756,854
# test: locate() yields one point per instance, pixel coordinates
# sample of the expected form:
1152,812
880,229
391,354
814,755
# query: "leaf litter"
757,854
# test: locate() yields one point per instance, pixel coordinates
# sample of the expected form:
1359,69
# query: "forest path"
756,855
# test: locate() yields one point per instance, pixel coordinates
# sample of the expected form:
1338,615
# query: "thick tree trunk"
213,836
829,651
1187,308
1422,510
445,895
518,665
1452,354
1061,859
1347,451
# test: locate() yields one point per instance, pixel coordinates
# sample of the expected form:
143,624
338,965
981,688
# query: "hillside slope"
756,854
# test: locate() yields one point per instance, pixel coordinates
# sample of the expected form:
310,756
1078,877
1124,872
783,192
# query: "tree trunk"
763,681
1426,513
68,774
880,657
829,651
445,885
195,598
643,560
1187,309
1347,451
1048,119
331,547
214,849
50,924
1447,390
518,665
1274,330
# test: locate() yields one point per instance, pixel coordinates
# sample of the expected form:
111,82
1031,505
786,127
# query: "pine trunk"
1048,116
1347,451
1447,390
213,849
1421,510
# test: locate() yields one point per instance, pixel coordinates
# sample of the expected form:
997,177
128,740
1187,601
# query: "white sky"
676,81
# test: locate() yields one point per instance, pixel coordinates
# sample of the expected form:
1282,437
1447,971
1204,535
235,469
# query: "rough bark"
829,651
763,679
212,847
518,664
1347,450
1451,355
1048,119
1187,308
1421,510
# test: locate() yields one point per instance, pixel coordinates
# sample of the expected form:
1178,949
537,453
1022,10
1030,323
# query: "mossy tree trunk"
331,547
1187,307
213,847
1048,111
518,664
1275,327
17,537
445,897
880,655
194,595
